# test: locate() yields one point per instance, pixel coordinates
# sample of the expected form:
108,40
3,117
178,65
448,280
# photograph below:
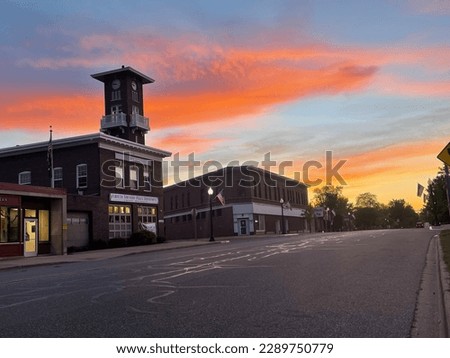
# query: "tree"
367,200
436,207
401,214
331,198
368,212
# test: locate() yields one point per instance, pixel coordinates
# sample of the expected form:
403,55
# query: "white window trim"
54,173
82,176
147,181
136,170
119,178
21,177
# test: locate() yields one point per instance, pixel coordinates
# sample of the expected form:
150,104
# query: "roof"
82,140
31,190
102,76
249,168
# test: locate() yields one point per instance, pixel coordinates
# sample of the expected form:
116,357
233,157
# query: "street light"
211,231
283,230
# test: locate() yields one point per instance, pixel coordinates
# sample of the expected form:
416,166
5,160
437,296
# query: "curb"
444,276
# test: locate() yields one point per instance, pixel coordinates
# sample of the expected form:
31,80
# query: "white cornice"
101,138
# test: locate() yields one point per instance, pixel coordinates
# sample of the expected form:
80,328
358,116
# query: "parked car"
419,224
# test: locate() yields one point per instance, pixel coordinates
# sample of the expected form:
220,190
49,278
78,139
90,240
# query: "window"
147,183
58,177
119,221
116,109
260,222
135,110
81,176
9,224
44,225
119,177
25,178
147,214
135,96
134,178
115,96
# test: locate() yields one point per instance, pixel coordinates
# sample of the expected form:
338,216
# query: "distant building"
255,203
113,180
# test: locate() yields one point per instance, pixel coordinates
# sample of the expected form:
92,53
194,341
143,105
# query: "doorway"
243,226
30,237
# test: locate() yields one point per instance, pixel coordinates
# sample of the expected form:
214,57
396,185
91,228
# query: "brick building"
113,180
255,203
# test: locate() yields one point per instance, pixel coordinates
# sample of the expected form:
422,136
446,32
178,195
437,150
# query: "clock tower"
124,104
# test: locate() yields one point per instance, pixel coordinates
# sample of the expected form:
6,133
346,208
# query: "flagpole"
50,155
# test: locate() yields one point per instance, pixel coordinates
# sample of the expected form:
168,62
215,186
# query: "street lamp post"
211,230
283,230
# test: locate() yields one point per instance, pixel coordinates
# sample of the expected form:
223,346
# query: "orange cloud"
260,87
198,81
65,112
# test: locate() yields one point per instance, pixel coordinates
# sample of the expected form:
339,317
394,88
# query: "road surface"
354,284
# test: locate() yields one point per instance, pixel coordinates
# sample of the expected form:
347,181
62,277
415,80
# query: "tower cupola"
124,104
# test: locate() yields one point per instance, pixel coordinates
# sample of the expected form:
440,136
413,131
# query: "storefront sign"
9,200
137,199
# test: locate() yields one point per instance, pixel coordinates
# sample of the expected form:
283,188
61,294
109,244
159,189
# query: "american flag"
221,198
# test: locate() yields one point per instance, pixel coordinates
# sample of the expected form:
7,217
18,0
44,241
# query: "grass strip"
445,243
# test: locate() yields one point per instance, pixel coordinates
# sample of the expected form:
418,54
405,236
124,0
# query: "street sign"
444,155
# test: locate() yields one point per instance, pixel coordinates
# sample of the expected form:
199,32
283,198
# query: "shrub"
141,238
118,242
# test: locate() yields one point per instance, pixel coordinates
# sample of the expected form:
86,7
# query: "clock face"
115,84
133,86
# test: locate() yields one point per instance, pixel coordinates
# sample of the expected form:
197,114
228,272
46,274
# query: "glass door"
30,237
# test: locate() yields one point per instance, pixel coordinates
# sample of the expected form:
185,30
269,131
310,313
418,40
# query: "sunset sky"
234,80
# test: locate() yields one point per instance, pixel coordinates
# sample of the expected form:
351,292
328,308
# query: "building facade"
112,179
256,202
32,220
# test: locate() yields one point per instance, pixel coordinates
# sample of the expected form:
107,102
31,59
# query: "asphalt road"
357,284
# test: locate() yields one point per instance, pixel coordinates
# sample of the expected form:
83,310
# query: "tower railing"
139,121
114,120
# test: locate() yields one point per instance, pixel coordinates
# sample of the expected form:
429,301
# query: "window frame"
26,174
120,182
58,179
134,183
81,175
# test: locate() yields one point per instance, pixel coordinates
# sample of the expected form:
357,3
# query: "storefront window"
260,222
119,221
29,213
44,224
147,214
9,224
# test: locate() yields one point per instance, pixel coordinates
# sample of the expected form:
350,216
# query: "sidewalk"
97,255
